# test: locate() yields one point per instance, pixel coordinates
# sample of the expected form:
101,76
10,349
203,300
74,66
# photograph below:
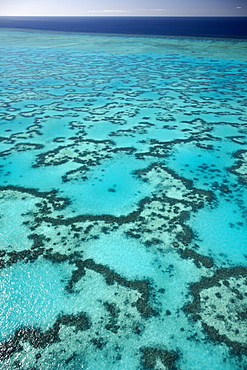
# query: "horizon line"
126,16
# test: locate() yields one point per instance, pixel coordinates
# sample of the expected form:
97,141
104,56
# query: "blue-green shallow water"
123,202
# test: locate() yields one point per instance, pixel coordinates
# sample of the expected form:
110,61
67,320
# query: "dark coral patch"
240,168
39,339
150,355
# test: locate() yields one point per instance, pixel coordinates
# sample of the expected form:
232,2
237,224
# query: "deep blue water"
123,196
234,27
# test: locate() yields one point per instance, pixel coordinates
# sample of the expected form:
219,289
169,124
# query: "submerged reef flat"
123,202
240,169
220,303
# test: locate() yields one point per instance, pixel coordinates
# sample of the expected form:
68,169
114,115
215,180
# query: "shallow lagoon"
123,202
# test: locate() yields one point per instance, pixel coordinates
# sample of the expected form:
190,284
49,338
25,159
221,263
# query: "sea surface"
233,27
123,194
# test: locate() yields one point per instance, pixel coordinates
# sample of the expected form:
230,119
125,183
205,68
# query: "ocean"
233,27
123,193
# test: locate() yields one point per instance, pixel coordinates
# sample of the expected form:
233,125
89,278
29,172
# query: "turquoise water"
123,202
